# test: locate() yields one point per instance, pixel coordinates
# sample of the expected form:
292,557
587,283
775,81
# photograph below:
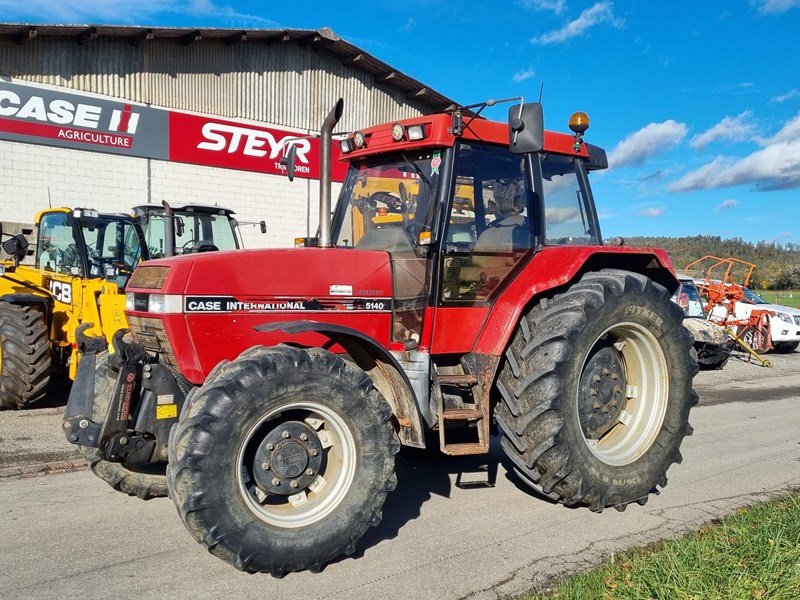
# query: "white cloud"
775,167
556,6
523,75
651,212
600,12
727,205
774,7
561,214
735,129
780,99
788,133
647,142
123,11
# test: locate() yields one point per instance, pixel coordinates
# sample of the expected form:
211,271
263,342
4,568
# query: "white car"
784,324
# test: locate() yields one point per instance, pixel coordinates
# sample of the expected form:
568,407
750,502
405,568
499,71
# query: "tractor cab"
460,215
187,228
88,244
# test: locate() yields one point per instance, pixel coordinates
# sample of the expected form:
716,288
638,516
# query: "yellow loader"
82,262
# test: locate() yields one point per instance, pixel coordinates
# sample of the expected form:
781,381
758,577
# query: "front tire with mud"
146,481
282,459
25,360
596,391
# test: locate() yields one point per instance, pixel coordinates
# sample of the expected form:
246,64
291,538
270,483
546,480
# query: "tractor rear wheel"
25,359
596,391
282,459
145,482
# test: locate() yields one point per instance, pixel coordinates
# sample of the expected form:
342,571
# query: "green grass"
754,553
785,297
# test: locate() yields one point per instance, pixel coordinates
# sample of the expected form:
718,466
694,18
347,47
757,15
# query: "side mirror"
289,159
525,128
16,247
179,227
263,226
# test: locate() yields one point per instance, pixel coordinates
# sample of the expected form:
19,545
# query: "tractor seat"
495,249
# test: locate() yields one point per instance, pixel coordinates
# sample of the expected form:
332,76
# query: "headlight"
784,317
398,132
130,302
416,132
360,139
165,303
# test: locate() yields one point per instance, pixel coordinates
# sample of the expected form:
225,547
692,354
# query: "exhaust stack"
326,139
169,229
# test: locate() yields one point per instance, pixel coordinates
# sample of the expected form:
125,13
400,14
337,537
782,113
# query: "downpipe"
325,168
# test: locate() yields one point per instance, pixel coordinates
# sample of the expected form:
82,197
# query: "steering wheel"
191,242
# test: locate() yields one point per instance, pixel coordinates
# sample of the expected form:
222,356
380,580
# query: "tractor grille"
150,333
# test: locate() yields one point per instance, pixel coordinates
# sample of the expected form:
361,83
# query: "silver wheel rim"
646,393
317,500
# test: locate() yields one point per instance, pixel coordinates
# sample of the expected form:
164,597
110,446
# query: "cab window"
57,249
489,229
566,221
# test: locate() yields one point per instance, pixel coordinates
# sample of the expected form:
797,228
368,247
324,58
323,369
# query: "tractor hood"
308,274
196,310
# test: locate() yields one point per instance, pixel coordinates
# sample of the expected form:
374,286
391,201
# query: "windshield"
388,203
753,298
112,247
688,298
204,230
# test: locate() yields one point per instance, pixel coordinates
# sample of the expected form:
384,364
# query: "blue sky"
697,103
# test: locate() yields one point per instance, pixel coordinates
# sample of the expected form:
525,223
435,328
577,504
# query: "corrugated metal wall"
284,84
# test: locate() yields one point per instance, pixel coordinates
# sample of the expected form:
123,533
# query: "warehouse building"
111,117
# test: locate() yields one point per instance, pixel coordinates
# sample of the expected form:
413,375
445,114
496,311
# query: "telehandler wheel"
596,390
145,482
282,459
25,359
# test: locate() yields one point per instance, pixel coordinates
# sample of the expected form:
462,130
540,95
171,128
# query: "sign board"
57,117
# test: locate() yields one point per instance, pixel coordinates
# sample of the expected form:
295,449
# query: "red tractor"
461,284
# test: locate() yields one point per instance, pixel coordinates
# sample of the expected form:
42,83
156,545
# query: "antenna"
541,92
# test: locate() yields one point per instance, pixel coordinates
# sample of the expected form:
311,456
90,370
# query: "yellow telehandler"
82,262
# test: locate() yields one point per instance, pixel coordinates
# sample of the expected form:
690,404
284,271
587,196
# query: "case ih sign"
48,115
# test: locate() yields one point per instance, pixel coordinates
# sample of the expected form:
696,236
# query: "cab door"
489,234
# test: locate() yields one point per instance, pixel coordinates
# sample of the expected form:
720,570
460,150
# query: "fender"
560,266
382,367
45,301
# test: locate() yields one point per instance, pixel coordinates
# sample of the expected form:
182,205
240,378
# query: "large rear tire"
145,482
25,359
596,391
282,459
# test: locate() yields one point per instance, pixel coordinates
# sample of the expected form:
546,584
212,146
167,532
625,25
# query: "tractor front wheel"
25,359
282,459
596,391
146,481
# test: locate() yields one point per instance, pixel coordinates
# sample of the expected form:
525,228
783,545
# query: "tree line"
777,265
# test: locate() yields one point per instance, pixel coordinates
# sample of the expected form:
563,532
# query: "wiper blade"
418,170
